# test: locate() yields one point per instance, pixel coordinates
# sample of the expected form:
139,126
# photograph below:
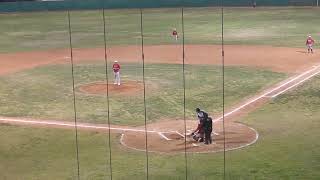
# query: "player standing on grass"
254,4
309,44
116,72
175,34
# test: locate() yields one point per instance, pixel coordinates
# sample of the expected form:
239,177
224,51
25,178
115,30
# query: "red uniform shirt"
174,33
116,67
309,41
200,128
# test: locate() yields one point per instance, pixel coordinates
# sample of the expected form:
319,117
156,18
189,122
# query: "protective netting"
149,162
166,77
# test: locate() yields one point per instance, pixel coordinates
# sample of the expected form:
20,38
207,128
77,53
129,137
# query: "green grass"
288,148
46,92
50,154
281,26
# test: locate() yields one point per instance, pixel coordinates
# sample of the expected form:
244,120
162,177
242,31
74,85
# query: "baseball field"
270,94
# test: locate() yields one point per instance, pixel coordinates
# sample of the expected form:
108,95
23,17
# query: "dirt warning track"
280,59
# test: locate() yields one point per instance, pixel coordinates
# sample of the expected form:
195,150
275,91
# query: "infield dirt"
280,59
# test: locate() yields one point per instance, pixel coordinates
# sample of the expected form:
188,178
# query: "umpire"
207,126
201,114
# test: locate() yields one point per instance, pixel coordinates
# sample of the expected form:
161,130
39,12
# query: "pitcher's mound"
100,88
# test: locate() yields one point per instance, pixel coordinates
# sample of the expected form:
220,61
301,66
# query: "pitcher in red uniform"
116,72
309,44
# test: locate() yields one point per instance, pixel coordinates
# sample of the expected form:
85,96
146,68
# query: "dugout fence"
25,6
303,2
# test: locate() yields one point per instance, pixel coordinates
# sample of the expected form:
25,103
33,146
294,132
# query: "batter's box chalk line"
179,134
195,145
171,135
190,131
164,136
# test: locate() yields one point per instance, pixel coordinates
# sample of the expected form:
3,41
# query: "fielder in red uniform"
309,44
175,34
116,72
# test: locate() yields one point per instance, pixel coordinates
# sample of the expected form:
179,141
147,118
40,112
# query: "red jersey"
309,41
116,67
200,128
174,33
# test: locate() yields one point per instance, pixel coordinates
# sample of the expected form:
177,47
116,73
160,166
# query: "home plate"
195,145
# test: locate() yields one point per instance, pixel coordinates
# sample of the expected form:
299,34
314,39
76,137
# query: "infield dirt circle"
172,140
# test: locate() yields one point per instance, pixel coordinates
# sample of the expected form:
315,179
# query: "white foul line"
303,80
265,94
72,125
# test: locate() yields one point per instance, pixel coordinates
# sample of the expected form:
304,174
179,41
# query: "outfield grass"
287,149
281,26
46,92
